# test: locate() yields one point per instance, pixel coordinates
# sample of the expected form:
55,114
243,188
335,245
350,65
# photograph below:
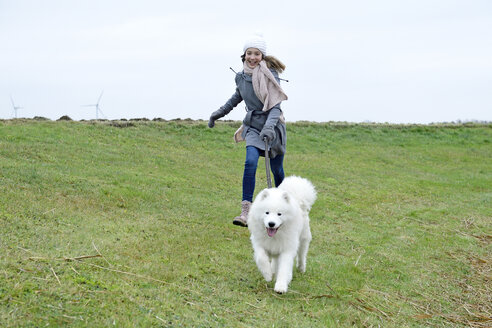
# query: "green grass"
401,228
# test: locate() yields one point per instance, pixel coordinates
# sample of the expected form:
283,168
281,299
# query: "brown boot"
242,219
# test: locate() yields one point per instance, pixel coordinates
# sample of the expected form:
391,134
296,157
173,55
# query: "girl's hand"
267,132
215,116
211,122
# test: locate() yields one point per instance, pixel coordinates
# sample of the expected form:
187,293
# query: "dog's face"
275,209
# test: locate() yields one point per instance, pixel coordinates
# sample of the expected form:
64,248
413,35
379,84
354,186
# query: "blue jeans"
249,177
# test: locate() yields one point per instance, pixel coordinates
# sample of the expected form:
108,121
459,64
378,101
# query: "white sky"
418,61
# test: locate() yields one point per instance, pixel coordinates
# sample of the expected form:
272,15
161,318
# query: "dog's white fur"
285,208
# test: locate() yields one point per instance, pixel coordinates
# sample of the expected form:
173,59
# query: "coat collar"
246,77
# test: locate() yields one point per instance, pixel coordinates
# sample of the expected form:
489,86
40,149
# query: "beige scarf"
266,88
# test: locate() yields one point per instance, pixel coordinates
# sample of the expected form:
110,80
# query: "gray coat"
256,119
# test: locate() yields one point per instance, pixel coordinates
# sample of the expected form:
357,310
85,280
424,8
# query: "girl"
259,86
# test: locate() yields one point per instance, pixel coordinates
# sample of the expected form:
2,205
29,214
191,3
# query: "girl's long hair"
271,61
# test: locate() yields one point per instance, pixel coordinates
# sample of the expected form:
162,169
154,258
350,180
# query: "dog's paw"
301,268
268,276
266,272
280,288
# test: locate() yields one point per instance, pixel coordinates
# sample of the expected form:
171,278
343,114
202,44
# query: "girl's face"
253,57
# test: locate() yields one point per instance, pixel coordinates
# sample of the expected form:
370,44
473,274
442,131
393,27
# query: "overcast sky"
418,61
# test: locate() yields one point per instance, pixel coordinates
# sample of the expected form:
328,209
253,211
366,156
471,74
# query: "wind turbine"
14,106
98,110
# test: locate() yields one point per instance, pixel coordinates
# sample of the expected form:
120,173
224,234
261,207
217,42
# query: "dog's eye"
279,214
267,213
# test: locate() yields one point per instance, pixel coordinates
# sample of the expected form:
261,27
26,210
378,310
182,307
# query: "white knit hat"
256,41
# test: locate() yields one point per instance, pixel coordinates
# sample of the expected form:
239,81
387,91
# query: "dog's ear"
264,194
286,197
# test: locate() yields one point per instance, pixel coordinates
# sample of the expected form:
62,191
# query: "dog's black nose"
271,224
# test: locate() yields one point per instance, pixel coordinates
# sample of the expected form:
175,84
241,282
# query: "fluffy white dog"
279,224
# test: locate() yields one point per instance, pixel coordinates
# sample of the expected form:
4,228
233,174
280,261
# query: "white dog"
279,224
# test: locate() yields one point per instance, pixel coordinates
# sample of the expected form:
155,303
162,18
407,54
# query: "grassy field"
128,224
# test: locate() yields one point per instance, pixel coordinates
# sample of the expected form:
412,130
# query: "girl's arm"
268,130
224,110
273,117
230,104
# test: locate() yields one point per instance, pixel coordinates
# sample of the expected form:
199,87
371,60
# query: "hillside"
112,223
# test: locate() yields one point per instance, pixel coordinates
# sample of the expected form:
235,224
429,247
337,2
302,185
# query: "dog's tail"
302,189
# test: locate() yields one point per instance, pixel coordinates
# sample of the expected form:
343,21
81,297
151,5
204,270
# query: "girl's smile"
253,57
